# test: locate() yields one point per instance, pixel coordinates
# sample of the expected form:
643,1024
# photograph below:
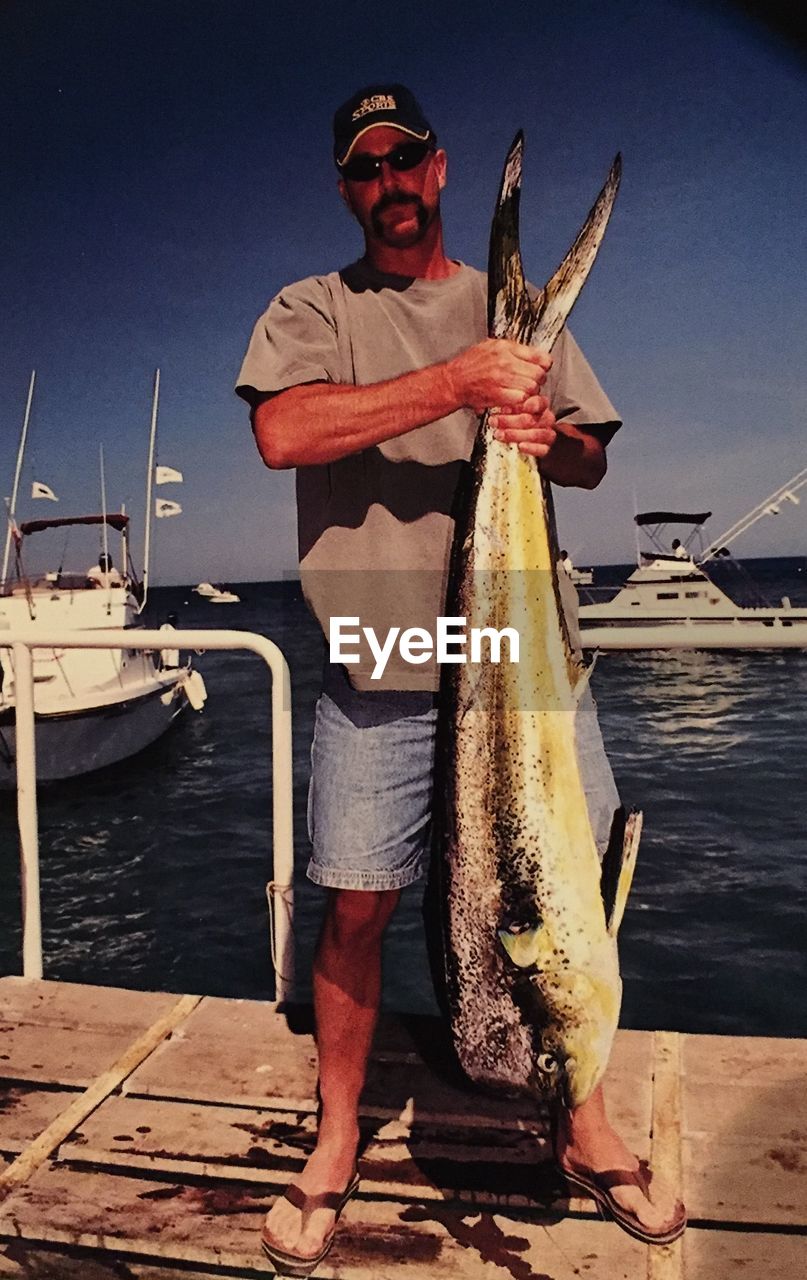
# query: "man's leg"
347,991
585,1137
586,1141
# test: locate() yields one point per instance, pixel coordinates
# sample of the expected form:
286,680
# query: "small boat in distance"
671,602
216,595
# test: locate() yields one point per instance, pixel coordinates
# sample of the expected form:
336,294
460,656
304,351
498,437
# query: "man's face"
397,206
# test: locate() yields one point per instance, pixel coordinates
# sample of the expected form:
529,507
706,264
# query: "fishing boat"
92,708
671,601
216,595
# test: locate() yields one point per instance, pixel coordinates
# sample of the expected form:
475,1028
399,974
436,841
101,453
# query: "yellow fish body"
529,916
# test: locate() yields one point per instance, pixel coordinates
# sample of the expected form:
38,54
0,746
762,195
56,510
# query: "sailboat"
92,708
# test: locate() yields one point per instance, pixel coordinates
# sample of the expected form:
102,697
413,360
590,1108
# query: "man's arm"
577,458
322,422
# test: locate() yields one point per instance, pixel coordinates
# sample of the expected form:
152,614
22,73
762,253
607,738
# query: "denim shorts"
370,796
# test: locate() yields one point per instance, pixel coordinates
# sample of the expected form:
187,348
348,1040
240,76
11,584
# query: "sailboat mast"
20,454
149,484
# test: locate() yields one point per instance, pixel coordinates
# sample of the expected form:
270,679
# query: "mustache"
392,198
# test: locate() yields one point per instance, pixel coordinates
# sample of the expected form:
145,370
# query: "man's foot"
330,1168
598,1162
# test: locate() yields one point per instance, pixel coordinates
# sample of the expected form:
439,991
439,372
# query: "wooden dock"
144,1135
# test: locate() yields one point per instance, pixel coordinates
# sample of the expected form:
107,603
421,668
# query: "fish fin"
524,948
619,865
585,671
511,313
561,291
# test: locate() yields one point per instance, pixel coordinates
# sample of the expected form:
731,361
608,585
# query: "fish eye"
547,1063
521,925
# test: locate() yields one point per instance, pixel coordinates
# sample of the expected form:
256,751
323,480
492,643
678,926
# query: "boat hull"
778,632
71,743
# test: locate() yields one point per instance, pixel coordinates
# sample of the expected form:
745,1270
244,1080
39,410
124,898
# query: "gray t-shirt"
375,528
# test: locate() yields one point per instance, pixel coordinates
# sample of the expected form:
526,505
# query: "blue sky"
168,170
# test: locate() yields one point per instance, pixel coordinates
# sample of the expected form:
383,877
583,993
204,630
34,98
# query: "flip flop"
598,1185
287,1263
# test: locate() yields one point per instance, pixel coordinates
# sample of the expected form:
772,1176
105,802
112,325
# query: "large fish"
528,915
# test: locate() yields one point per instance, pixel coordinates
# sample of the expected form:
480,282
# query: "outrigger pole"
20,453
105,531
149,483
767,507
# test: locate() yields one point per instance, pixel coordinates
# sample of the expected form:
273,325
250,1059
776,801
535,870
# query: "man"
104,574
370,381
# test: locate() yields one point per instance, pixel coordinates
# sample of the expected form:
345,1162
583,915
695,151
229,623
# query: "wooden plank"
745,1147
774,1111
219,1227
41,1147
483,1167
738,1060
232,1051
24,1260
486,1165
66,1033
755,1182
25,1111
666,1262
244,1052
66,1056
71,1004
729,1255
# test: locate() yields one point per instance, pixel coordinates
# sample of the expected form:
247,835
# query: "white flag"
167,475
162,507
39,490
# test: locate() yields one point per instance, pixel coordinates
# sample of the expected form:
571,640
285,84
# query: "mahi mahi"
528,915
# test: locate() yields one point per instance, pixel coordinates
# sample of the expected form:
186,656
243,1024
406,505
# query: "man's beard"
390,201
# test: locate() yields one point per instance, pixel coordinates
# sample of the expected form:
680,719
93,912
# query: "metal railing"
280,892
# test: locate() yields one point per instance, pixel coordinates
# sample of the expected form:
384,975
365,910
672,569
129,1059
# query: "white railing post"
26,811
280,890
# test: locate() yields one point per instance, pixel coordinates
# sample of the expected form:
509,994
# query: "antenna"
105,532
149,483
12,509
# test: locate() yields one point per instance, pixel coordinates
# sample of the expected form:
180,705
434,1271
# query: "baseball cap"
391,104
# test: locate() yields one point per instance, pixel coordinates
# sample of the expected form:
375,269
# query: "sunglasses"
407,155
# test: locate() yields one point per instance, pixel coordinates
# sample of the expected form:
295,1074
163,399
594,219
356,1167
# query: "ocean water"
154,872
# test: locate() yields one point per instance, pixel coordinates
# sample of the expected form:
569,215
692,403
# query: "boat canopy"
116,520
672,517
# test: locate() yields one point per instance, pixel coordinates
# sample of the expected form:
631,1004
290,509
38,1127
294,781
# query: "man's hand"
531,426
566,454
497,372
